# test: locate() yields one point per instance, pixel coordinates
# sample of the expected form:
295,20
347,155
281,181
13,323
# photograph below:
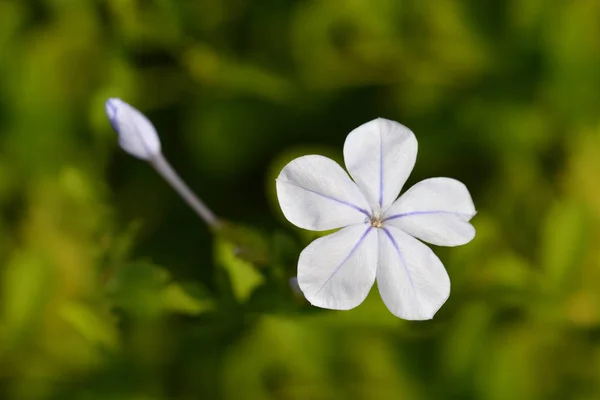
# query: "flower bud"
137,135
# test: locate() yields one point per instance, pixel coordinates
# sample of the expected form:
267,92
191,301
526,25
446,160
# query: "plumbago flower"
378,235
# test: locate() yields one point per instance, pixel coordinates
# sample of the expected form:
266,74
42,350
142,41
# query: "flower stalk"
162,166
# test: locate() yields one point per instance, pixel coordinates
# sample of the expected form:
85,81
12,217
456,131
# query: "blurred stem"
162,166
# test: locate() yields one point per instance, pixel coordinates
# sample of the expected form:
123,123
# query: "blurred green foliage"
110,288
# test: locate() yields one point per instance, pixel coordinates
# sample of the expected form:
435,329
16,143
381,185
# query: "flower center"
376,220
375,223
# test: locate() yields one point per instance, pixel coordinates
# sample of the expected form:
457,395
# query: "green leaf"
147,291
249,244
243,275
89,324
176,299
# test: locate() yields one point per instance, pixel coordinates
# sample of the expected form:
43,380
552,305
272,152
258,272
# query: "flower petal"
315,193
137,135
435,210
380,156
337,271
411,279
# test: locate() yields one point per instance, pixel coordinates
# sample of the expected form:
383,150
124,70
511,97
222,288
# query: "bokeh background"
111,288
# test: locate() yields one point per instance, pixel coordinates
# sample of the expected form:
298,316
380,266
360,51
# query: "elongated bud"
137,135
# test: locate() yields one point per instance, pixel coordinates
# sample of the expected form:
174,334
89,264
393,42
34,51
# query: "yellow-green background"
111,288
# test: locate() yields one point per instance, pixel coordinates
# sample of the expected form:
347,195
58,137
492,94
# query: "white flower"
137,135
377,239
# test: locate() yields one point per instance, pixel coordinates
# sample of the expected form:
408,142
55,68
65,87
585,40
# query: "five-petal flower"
378,235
